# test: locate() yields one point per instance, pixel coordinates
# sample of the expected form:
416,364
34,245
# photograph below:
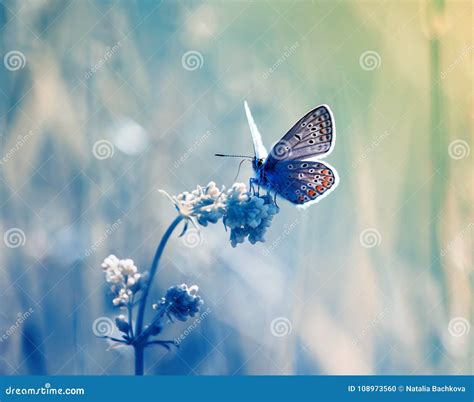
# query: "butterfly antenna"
234,156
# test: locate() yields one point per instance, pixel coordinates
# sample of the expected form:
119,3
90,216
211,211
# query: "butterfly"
292,169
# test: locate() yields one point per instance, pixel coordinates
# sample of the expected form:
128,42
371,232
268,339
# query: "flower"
180,301
123,297
203,204
247,215
124,277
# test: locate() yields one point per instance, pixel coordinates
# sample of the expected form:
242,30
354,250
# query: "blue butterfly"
292,169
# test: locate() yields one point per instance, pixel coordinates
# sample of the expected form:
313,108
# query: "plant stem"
139,349
130,317
139,363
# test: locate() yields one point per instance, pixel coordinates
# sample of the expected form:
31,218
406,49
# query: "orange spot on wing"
301,198
325,172
312,193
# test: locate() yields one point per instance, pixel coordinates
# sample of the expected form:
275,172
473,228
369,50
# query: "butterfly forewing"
259,148
302,182
312,136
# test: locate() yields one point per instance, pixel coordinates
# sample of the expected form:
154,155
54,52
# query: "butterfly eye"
260,163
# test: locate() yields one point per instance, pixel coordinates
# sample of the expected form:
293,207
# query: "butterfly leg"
275,200
251,182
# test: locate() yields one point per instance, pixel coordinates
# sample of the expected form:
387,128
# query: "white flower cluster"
247,215
206,204
124,277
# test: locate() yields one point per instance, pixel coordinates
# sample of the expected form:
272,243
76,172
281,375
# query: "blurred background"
102,103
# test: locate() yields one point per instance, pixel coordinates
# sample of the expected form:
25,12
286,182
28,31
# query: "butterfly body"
292,169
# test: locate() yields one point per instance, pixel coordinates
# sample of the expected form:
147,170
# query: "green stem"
139,348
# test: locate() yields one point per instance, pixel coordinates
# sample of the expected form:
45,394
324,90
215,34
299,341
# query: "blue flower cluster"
248,216
180,302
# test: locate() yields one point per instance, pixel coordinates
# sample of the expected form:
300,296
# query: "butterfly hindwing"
302,182
312,136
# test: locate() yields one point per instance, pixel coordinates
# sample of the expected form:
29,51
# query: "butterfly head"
258,163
